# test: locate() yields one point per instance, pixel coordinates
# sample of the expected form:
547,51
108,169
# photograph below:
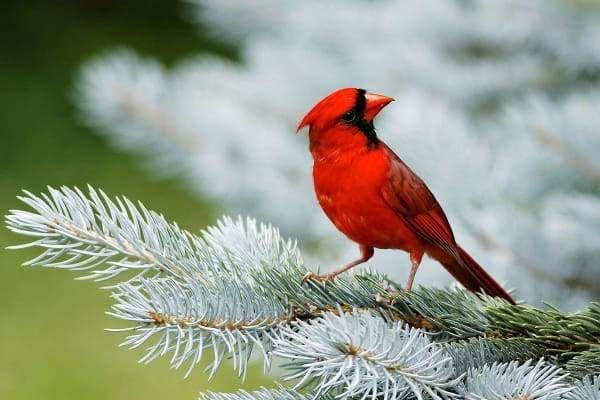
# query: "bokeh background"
191,106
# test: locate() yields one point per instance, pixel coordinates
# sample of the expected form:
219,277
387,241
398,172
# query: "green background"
52,343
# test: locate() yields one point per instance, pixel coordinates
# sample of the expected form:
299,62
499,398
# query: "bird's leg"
392,294
366,253
411,276
415,259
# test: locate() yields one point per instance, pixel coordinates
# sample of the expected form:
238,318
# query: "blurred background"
191,106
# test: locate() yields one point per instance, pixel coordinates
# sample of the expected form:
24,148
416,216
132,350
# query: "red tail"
473,277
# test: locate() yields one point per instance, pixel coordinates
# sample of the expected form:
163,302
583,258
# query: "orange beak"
375,103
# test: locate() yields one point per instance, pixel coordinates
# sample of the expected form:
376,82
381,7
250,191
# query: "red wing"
408,195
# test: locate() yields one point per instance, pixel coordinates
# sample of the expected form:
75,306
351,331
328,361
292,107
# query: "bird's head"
351,110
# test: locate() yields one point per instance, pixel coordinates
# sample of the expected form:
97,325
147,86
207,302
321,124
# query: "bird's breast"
348,188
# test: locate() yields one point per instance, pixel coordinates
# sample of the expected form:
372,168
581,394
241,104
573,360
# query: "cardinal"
374,198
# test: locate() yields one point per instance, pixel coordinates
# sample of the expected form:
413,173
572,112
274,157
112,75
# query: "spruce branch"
458,313
361,355
586,389
561,334
540,381
353,290
235,288
247,247
191,292
585,364
263,394
476,352
82,233
227,317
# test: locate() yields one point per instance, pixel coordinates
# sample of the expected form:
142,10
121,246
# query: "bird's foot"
316,277
388,298
391,295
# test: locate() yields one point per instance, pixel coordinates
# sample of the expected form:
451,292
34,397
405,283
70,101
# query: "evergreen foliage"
235,290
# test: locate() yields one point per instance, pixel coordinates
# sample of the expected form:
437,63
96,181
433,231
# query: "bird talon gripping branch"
374,198
316,277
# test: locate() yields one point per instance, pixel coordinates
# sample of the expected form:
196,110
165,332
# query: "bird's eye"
349,116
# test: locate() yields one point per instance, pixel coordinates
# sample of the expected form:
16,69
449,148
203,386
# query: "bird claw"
316,277
390,296
388,300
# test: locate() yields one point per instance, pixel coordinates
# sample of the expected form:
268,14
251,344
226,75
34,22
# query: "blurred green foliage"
52,343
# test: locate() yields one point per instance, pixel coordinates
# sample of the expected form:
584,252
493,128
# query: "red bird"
374,198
